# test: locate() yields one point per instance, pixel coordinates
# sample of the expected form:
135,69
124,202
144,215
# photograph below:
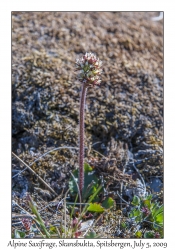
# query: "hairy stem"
81,138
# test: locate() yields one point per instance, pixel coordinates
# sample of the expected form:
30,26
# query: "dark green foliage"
108,203
91,183
146,211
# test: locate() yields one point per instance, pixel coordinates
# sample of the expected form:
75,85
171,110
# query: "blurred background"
124,116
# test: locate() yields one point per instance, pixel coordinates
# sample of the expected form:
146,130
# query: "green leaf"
93,196
154,209
159,218
87,168
91,235
138,218
134,213
38,217
149,197
123,225
52,230
148,235
19,234
138,234
91,182
94,207
158,210
136,201
108,203
147,203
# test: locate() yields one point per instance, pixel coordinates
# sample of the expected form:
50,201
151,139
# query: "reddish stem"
81,138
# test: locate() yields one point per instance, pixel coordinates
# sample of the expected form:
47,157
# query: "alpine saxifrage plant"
89,67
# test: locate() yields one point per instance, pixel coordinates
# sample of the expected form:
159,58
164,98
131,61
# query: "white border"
5,95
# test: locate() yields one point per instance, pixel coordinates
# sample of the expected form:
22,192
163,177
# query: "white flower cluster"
89,67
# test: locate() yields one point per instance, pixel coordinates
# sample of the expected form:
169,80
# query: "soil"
124,115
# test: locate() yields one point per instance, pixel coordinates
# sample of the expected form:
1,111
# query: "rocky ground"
124,116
